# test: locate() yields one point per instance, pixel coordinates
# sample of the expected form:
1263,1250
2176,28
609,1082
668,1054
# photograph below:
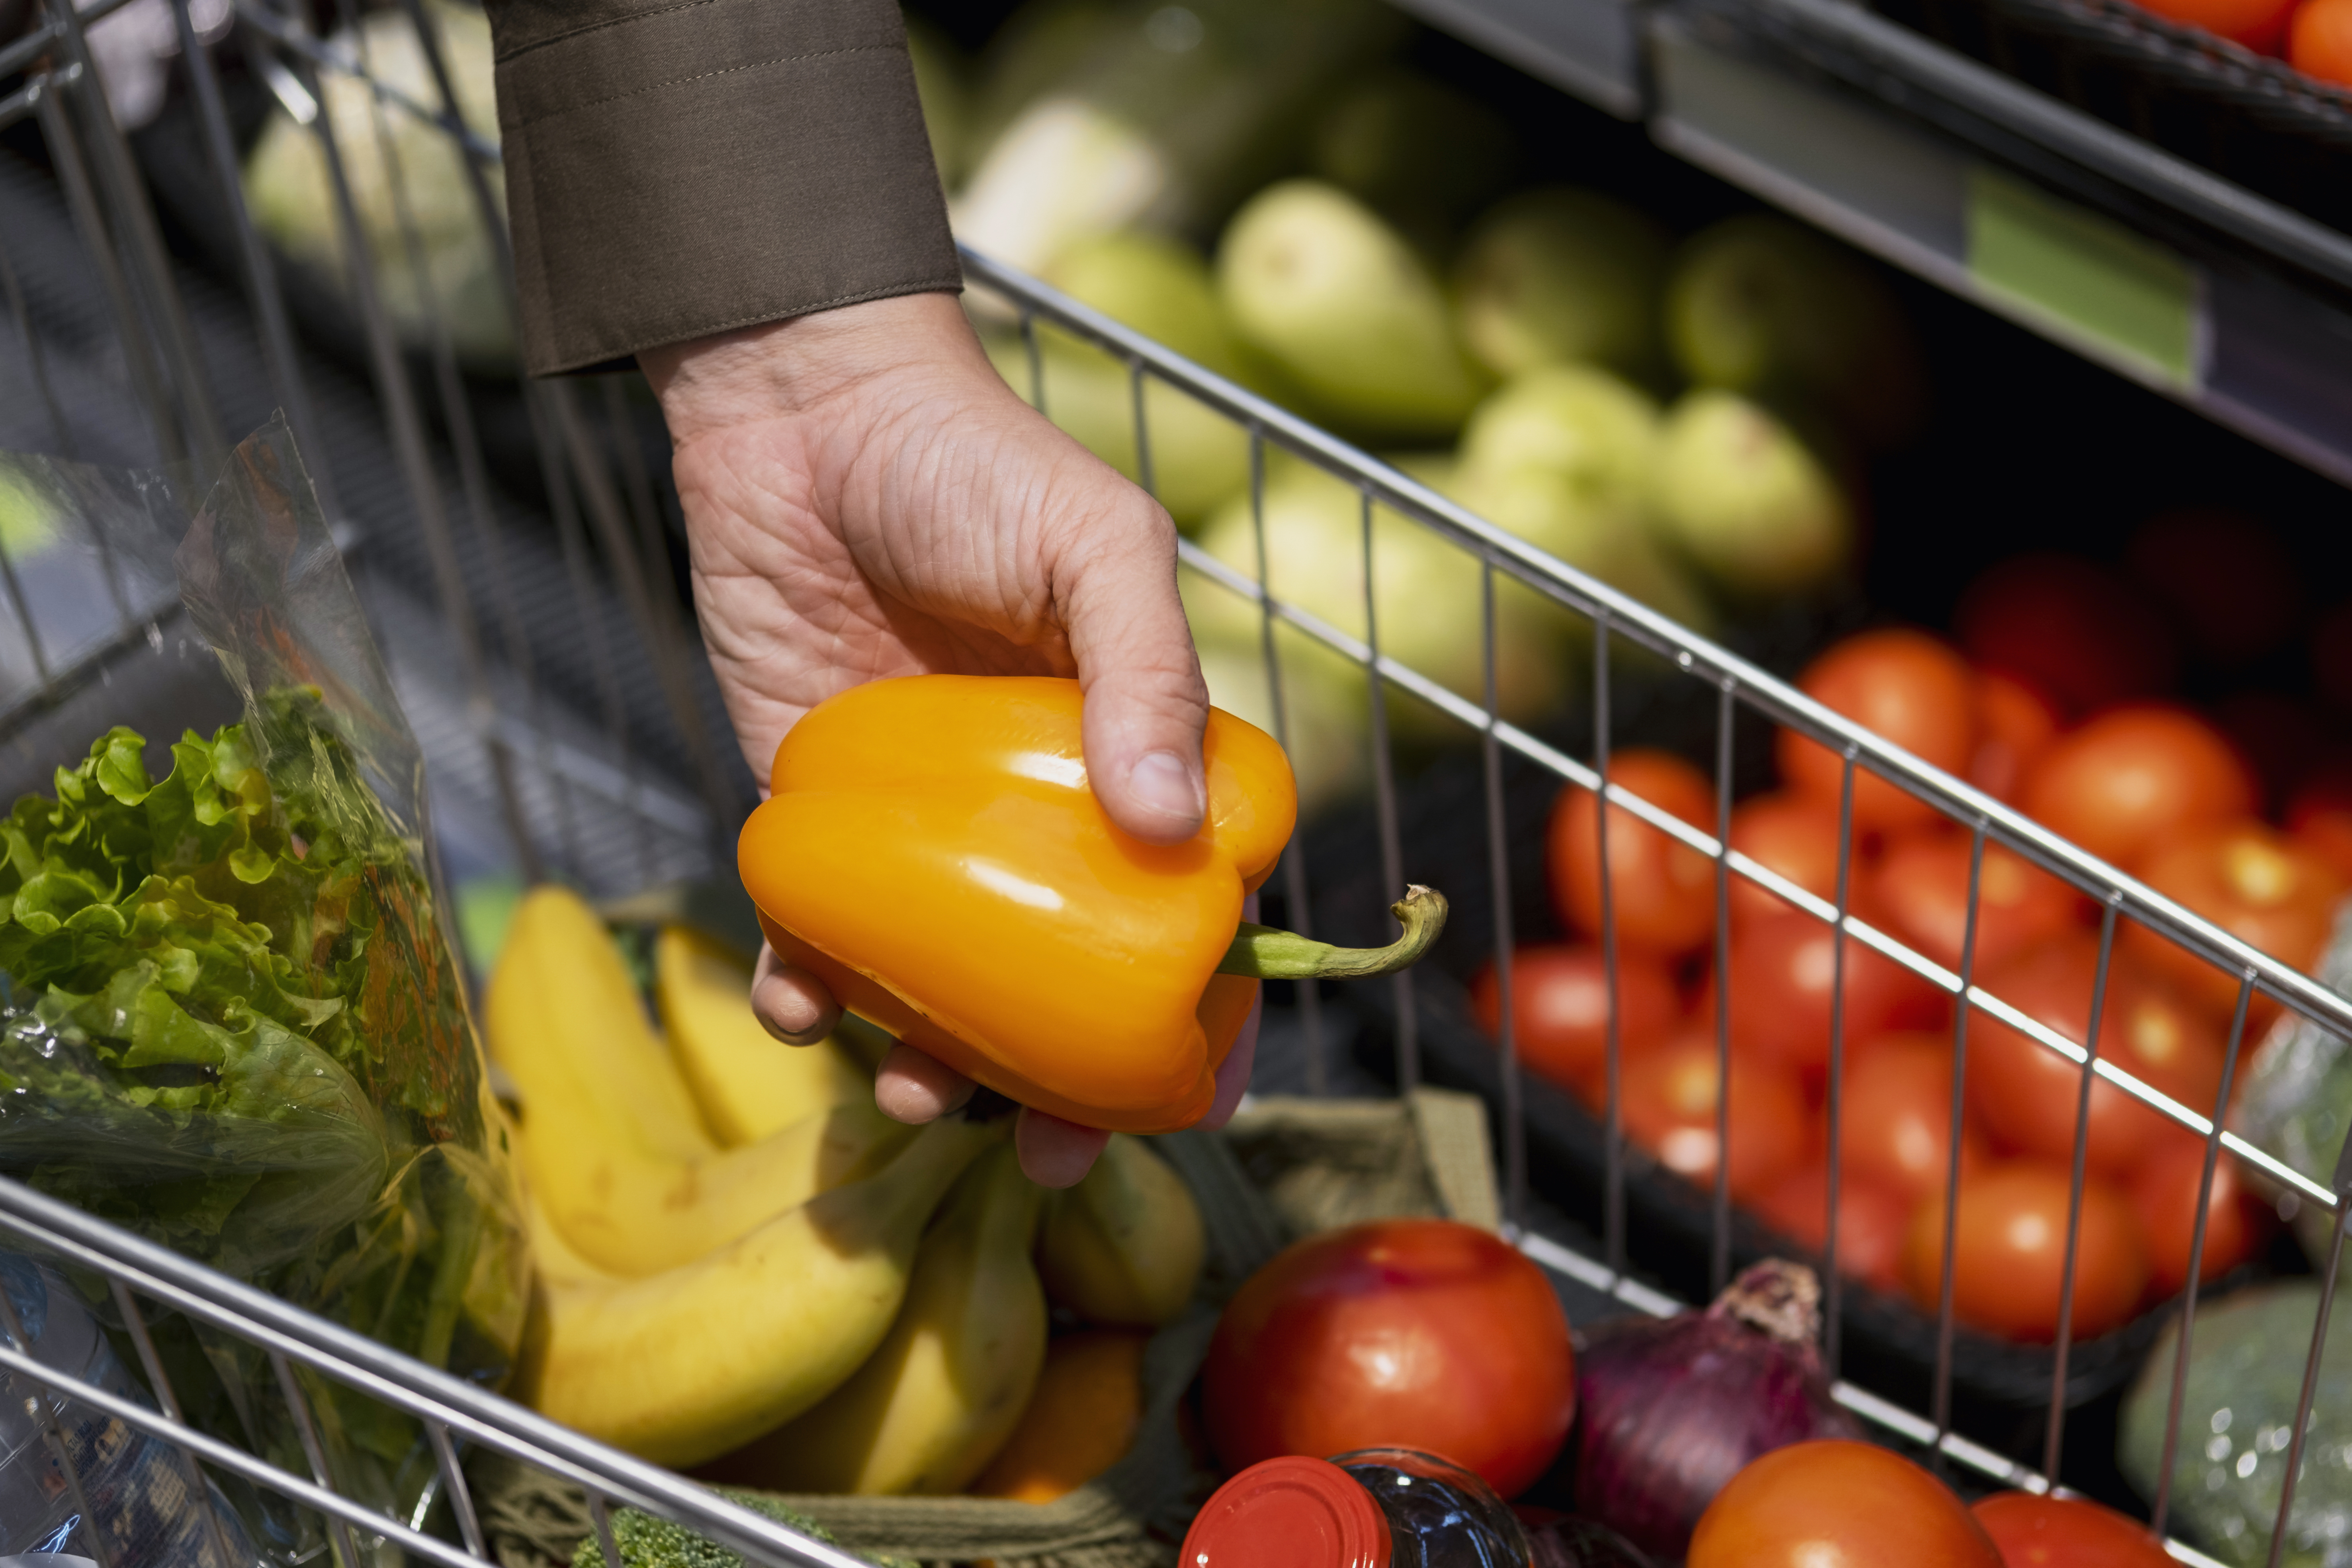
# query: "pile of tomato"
2154,788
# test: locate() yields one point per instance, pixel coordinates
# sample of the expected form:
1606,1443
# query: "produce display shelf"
2170,276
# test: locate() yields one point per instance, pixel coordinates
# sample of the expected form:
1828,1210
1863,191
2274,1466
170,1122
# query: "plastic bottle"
1374,1508
136,1486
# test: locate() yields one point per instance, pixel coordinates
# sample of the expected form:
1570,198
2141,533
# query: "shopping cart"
572,729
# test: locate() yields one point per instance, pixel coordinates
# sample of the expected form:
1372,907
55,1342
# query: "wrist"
804,364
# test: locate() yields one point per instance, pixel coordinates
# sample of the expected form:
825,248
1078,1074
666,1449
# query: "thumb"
1146,703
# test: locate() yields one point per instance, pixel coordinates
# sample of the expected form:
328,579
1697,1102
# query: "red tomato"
1835,1502
1663,891
1415,1333
2225,575
1792,833
1782,971
2026,1092
2278,735
2320,814
2320,43
2164,1191
1905,686
2072,629
2259,24
2015,724
1921,885
2009,1253
1894,1120
2253,883
1669,1109
1560,1009
2127,781
1870,1225
2065,1532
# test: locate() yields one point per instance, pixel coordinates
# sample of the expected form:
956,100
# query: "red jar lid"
1292,1512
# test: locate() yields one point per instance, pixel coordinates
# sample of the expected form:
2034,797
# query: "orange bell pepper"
930,850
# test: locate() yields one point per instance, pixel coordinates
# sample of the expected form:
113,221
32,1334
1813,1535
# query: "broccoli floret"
649,1541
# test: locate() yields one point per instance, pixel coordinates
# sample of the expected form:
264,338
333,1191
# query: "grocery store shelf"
1589,47
2137,259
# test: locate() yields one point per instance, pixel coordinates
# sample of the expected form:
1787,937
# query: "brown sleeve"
680,167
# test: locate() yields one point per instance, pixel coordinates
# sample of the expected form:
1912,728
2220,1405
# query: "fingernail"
1160,782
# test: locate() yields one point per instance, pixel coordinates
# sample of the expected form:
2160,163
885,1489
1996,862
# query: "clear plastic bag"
232,1018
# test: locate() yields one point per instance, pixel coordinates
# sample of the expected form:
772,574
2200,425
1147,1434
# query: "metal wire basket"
541,651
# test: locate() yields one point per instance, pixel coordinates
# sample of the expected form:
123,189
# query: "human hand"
865,497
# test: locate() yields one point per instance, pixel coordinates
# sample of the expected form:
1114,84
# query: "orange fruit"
2319,42
1080,1423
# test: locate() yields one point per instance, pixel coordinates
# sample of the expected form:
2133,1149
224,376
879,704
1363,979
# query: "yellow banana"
746,1083
943,1392
551,1256
1124,1245
684,1366
564,1019
628,1201
631,1214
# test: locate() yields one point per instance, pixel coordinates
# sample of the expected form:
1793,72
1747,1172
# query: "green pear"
1764,306
1593,431
1420,154
1313,278
1428,595
1159,286
1561,273
1324,716
1747,500
1602,537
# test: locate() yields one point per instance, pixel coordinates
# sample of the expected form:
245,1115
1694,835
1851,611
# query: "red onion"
1670,1409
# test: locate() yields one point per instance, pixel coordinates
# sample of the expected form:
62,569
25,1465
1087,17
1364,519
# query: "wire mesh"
572,729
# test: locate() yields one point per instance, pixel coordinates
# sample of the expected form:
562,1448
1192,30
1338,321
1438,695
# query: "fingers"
1145,701
1054,1152
914,1088
792,1004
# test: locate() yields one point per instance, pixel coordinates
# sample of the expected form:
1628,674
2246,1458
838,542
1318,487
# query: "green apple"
1313,278
1748,502
1561,273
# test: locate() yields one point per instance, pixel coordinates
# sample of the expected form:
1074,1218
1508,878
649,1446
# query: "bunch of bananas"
744,1267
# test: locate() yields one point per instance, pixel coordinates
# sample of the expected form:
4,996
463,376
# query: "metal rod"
1142,430
2328,1277
306,1428
2163,1501
1941,1394
1384,811
1834,1285
1498,866
599,1515
151,274
454,1487
1612,1213
1718,1260
1300,912
36,358
167,1399
2057,1429
257,269
81,201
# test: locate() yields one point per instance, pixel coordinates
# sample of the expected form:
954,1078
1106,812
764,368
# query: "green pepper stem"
1265,952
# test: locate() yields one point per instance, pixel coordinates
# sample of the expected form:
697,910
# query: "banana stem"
1265,953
